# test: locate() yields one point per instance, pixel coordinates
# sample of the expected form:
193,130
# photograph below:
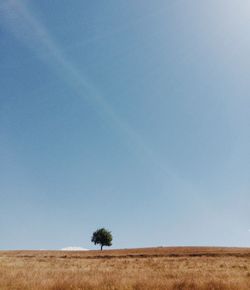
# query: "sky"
128,115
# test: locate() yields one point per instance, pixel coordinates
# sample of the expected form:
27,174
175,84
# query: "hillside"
175,268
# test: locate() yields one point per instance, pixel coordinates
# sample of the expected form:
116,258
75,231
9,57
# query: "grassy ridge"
181,268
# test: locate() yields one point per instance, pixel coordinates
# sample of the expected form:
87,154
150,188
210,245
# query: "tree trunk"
101,247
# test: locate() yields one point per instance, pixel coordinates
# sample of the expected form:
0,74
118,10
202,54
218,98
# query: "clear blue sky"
132,115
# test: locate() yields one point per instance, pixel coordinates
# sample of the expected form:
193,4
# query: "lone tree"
102,237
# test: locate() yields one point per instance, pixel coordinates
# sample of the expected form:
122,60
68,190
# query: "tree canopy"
102,237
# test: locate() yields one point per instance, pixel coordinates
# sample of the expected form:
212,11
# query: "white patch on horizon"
74,249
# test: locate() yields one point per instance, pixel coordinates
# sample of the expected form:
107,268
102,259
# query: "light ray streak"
23,23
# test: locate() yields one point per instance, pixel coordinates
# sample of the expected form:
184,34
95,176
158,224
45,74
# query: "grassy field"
139,269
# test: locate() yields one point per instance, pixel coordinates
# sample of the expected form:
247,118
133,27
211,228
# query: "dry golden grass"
137,269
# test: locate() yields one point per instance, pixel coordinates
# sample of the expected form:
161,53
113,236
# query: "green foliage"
102,237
